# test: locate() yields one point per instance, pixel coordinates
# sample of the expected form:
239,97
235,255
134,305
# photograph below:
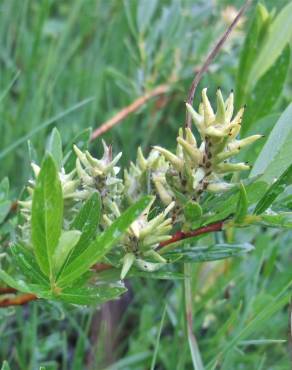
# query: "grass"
74,65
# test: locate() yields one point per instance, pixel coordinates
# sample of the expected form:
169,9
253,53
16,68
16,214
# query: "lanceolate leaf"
102,244
249,51
276,154
267,90
283,219
4,201
5,366
188,253
242,205
220,208
274,190
13,283
55,147
67,242
81,140
280,33
28,264
86,221
91,296
47,214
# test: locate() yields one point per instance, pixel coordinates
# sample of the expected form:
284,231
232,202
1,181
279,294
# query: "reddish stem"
99,267
18,300
180,235
7,290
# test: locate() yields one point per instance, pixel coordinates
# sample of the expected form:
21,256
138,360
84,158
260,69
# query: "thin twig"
7,290
180,235
18,300
210,58
125,112
99,267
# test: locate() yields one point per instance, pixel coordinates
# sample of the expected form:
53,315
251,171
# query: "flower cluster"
201,165
201,162
101,175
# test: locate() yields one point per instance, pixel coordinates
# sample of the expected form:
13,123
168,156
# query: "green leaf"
67,242
192,211
145,11
262,126
5,203
5,366
91,296
28,264
187,252
280,34
242,205
47,214
165,273
55,147
13,283
86,221
249,51
283,219
274,190
82,141
102,244
267,90
219,208
276,154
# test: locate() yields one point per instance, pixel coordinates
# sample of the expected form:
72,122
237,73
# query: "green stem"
193,345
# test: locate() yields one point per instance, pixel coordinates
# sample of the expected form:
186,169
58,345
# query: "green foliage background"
74,64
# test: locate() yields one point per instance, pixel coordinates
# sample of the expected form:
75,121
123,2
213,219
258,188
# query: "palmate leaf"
274,190
188,252
47,214
102,244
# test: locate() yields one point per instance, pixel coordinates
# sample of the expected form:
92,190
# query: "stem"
99,267
193,345
125,112
180,235
18,300
210,58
